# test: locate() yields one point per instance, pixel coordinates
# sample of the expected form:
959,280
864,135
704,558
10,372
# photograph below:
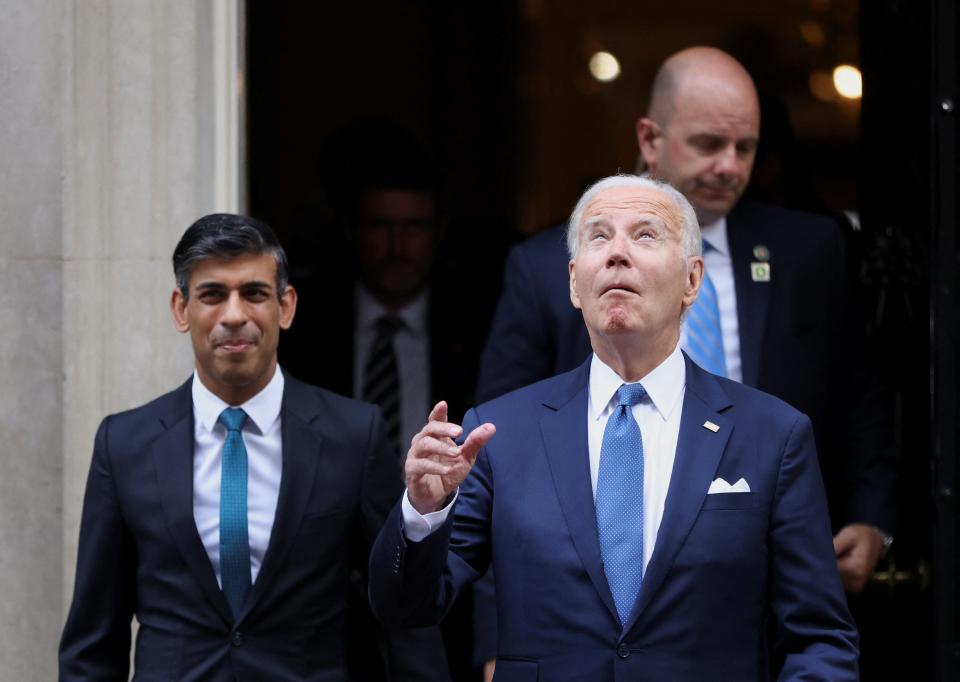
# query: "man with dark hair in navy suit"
228,514
646,519
781,285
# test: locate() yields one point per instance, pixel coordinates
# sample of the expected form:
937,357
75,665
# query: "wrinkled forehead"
632,205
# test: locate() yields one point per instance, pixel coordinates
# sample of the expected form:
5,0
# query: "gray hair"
692,244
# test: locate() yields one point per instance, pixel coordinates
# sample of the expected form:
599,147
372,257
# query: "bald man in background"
781,293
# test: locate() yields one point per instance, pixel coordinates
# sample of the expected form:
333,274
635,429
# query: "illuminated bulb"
847,81
813,34
604,67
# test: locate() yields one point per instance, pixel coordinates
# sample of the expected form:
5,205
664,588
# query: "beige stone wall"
108,129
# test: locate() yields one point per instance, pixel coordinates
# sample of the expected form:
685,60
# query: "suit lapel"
301,445
753,298
564,433
698,454
173,457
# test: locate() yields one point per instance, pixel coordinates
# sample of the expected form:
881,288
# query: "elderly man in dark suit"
647,519
779,283
227,514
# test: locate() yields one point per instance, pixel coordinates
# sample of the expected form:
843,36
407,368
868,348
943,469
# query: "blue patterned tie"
234,543
620,501
704,335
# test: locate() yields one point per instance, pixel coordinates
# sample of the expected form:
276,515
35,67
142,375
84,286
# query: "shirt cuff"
417,526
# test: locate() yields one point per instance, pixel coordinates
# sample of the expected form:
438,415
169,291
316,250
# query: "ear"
695,270
650,142
178,306
288,307
574,296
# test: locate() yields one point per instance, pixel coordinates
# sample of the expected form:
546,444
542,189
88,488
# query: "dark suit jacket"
140,553
721,565
320,349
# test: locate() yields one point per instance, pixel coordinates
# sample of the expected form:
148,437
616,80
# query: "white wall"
108,124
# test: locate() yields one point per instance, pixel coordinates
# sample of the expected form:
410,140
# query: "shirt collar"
263,409
664,384
716,235
369,310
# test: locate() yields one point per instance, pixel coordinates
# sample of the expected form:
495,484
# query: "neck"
633,357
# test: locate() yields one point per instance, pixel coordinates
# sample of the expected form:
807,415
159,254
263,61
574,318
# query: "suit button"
623,651
236,639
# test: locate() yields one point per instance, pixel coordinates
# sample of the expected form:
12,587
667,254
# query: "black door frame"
944,302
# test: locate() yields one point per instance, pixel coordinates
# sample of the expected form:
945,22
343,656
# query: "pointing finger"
479,437
439,412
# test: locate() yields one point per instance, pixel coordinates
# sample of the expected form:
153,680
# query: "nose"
394,239
234,311
728,163
618,253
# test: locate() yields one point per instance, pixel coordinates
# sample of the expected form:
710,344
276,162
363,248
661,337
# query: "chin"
238,373
617,322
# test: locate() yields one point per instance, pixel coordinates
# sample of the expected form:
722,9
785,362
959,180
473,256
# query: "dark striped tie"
381,382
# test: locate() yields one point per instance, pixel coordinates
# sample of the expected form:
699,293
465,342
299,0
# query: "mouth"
720,192
234,345
619,289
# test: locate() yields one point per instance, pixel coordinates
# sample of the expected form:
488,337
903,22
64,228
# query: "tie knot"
629,395
707,246
233,418
388,324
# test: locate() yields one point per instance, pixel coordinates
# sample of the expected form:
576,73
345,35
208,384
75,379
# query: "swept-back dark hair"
226,235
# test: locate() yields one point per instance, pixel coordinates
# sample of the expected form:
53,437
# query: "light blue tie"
620,501
234,543
704,335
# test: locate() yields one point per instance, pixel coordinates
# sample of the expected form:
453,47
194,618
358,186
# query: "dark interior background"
501,94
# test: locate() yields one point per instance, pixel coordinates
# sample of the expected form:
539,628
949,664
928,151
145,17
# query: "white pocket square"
721,486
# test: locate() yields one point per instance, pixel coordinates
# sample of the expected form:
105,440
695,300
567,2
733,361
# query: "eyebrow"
592,222
252,284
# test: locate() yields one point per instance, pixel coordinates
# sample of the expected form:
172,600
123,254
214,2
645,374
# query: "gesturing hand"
436,465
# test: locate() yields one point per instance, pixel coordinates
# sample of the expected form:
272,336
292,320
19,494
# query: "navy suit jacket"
722,563
140,553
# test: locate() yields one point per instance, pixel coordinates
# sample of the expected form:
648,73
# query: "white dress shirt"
261,436
720,266
658,416
411,344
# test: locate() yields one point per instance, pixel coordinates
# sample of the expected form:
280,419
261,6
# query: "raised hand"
436,465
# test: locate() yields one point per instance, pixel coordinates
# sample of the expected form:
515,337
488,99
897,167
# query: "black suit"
798,341
140,552
320,349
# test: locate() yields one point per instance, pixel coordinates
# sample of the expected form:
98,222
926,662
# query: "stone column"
109,128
